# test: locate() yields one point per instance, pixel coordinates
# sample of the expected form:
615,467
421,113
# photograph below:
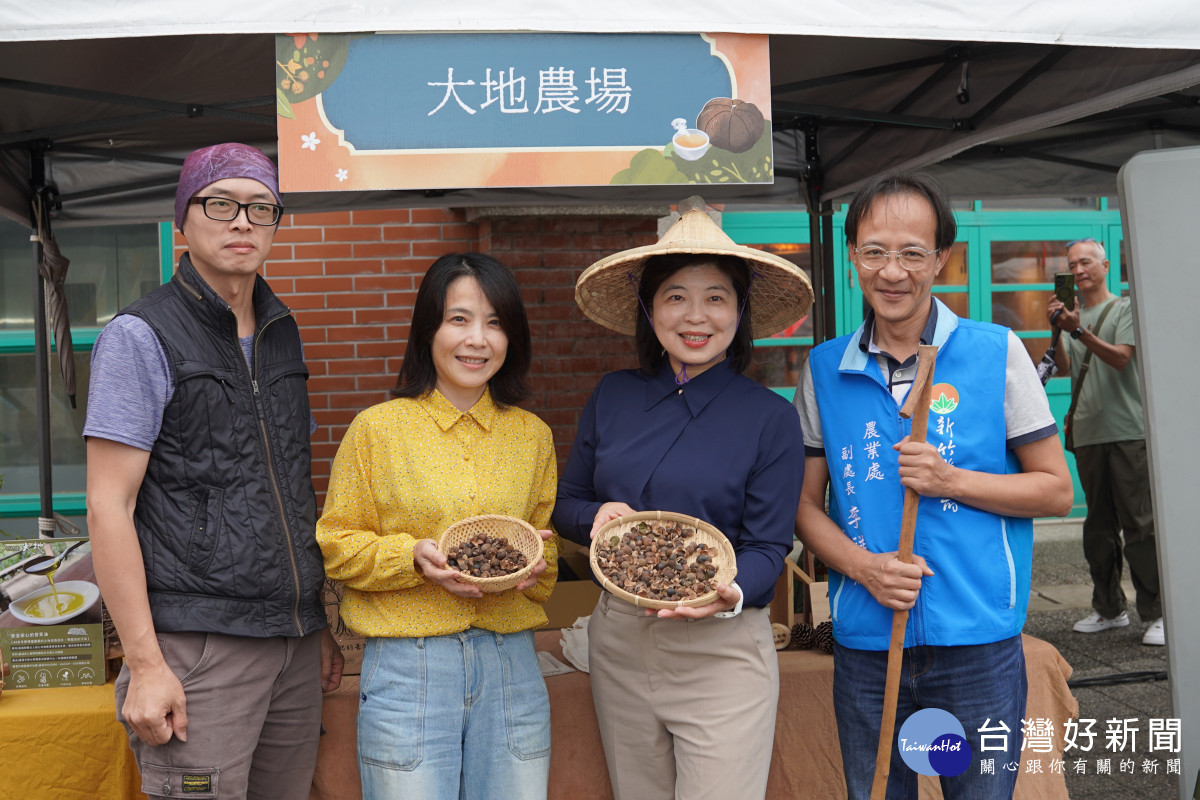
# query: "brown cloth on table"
806,761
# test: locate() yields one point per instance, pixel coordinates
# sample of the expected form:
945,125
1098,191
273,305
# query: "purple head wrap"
211,164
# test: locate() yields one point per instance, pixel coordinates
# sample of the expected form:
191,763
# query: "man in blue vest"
201,508
990,463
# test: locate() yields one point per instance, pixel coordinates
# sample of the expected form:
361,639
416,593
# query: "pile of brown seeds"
655,561
484,556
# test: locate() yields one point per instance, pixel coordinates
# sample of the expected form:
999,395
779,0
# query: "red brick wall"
351,278
570,352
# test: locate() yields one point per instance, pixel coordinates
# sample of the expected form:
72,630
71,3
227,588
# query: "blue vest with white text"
981,561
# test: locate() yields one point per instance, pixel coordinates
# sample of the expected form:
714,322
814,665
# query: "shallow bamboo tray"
519,533
720,550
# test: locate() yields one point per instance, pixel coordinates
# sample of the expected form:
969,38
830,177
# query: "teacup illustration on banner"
690,143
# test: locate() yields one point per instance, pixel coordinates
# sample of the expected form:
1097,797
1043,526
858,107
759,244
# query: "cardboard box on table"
572,599
349,641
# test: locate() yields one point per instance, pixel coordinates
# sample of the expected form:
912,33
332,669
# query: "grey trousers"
1116,482
686,708
254,718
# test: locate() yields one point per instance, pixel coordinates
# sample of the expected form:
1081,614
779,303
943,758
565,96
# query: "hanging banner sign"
441,111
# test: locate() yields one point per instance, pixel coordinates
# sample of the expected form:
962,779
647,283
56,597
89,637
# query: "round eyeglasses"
222,209
911,258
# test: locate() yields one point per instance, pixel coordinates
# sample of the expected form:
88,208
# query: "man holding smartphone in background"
1110,445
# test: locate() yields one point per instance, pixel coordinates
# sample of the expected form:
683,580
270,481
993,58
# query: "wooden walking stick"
916,408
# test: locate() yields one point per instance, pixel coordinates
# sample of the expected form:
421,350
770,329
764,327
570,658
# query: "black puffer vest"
226,513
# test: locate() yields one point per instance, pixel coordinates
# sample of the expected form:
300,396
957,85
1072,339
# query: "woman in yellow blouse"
453,704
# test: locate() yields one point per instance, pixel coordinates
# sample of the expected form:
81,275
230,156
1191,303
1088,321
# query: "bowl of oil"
56,603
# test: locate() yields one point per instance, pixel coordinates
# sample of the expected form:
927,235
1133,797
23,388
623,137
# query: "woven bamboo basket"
519,533
719,549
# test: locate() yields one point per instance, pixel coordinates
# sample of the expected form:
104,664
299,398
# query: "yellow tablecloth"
65,744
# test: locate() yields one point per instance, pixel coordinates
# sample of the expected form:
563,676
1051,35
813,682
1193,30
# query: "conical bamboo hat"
780,292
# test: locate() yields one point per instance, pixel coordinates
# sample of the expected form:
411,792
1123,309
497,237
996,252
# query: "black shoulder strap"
1087,360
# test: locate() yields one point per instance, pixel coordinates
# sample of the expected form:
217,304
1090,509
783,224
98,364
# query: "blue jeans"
464,716
975,683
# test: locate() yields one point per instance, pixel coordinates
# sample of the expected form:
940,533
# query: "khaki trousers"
686,708
254,718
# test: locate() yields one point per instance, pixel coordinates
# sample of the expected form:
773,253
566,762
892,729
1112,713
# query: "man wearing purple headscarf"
201,507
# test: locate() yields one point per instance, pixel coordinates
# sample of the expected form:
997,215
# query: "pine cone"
803,636
824,636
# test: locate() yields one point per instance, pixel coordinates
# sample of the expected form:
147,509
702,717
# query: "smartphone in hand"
1064,288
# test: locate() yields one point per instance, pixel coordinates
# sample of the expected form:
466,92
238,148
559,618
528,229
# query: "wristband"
1075,334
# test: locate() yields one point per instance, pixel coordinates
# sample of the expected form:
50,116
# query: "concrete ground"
1115,676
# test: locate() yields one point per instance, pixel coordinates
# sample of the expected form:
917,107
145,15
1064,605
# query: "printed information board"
51,656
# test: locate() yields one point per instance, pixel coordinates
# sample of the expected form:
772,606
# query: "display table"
806,761
65,744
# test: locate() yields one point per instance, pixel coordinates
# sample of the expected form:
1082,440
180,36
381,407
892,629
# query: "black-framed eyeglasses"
911,258
222,209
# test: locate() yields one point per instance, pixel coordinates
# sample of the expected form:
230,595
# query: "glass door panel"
1021,263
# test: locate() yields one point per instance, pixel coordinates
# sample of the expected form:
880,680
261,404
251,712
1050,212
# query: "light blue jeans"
463,716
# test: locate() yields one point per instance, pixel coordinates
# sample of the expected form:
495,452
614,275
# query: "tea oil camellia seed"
656,561
484,556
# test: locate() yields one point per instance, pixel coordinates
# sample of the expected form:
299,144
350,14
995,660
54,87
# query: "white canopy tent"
999,99
101,102
1108,23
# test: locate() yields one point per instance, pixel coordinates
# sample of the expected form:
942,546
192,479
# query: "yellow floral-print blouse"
408,469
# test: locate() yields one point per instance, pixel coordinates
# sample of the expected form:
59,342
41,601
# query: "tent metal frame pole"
829,300
1016,87
37,180
26,138
165,108
953,55
812,199
1151,109
110,123
1181,100
112,154
816,253
1123,130
1053,159
135,101
121,188
916,94
843,114
1170,126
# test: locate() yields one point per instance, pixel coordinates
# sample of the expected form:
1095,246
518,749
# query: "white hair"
1094,242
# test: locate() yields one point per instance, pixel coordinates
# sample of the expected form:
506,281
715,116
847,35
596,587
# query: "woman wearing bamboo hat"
686,698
